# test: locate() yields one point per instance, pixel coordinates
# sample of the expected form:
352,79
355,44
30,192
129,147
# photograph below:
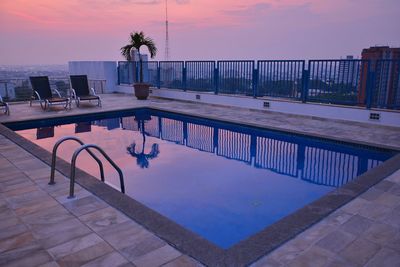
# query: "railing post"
216,80
304,85
184,77
137,72
118,70
370,88
255,82
158,75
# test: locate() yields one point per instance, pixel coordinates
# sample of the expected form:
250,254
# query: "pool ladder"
73,162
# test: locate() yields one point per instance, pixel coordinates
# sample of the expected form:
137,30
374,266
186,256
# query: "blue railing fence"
368,83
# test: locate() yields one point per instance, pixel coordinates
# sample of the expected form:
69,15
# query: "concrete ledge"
328,111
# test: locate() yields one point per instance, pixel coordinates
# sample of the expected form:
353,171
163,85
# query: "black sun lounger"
42,92
81,91
4,105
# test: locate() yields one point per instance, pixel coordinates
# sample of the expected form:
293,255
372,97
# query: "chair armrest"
57,92
93,91
73,93
37,95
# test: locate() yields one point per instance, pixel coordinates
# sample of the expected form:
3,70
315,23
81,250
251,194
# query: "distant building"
384,62
348,72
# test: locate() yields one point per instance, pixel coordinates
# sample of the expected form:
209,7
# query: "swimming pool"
222,181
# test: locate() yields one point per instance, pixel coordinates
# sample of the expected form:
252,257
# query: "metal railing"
73,162
368,83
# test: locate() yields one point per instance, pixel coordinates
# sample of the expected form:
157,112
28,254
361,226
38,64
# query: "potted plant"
137,40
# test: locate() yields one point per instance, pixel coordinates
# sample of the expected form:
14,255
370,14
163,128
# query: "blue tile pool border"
244,252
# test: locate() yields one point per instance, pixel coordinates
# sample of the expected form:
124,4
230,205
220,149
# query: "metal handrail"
54,156
73,167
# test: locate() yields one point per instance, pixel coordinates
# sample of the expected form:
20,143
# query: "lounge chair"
81,91
43,93
4,105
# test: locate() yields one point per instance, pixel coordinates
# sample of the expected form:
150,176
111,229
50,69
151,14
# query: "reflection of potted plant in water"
142,159
138,39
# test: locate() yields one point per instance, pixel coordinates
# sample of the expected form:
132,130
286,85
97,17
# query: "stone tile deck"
39,226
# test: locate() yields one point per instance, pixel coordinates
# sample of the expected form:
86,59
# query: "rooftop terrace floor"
39,226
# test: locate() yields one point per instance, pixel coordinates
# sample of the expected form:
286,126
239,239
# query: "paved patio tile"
183,261
47,216
374,211
17,253
50,264
110,259
74,245
9,174
395,190
380,233
35,258
85,205
394,243
8,220
385,258
355,206
142,242
388,200
19,191
372,194
30,164
59,229
36,206
100,219
266,262
85,255
121,235
313,257
157,257
336,241
337,218
13,230
15,185
357,225
384,185
360,251
14,242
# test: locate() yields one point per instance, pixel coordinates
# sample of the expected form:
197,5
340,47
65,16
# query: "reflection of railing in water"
329,167
269,156
234,145
152,127
308,162
200,137
172,130
313,161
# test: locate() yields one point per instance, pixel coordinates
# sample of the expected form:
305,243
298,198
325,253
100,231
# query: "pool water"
223,181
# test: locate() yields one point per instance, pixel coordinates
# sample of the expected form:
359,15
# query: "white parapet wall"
356,114
97,70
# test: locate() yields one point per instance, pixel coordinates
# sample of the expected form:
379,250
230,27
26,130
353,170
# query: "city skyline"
55,32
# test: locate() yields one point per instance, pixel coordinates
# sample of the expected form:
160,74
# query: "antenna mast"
166,32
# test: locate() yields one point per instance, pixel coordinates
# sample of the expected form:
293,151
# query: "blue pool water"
222,181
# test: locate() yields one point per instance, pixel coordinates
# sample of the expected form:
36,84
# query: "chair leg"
43,105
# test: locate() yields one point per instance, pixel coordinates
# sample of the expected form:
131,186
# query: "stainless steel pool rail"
73,162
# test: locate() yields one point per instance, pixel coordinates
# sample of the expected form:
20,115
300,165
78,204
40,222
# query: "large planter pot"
142,90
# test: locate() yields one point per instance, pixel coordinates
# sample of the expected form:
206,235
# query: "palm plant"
137,40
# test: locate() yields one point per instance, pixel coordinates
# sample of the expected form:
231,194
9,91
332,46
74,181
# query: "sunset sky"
58,31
